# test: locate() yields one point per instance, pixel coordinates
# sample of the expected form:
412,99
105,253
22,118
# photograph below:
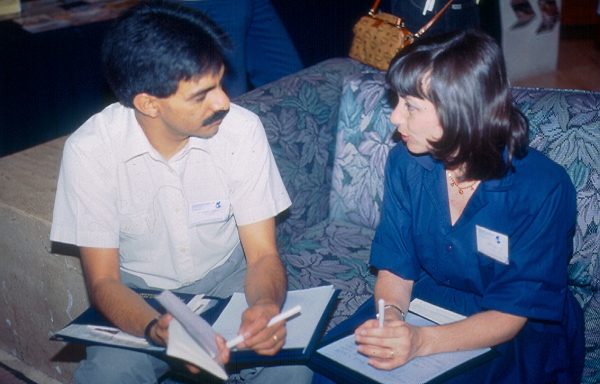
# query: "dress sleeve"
393,248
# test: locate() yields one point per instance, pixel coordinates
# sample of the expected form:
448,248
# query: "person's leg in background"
262,49
270,53
233,16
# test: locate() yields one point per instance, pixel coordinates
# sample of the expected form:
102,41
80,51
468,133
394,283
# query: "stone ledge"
41,291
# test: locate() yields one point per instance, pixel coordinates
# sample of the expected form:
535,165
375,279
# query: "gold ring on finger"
275,338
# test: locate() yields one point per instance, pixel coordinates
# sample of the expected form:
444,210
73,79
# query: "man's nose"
220,101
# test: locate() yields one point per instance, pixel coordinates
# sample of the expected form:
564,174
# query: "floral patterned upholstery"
330,133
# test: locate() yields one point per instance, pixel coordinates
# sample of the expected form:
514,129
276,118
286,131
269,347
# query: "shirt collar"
502,184
136,143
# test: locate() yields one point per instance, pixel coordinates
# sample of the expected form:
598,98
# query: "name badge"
492,244
209,212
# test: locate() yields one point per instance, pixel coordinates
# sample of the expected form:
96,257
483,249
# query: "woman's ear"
146,104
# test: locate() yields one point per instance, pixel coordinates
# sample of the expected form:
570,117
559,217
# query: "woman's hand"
390,346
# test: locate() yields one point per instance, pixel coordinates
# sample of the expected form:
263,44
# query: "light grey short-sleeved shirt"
174,220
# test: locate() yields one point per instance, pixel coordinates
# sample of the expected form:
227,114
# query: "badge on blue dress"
492,244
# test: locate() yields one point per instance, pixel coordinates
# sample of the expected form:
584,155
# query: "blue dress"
533,209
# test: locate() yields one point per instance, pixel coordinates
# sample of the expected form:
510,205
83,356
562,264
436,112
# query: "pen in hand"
274,320
381,312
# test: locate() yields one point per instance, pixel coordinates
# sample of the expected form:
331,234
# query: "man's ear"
146,104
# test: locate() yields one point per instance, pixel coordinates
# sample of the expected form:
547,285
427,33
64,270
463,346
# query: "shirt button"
449,248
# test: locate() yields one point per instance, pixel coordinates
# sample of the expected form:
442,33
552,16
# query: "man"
171,188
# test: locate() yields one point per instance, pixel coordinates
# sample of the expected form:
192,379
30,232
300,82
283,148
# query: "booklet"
191,338
341,362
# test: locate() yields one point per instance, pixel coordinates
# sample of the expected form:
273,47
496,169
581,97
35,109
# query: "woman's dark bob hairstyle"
464,76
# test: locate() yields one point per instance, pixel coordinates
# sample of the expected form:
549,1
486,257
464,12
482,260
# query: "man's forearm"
119,304
123,307
266,281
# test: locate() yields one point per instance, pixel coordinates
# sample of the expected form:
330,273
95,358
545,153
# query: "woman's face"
417,122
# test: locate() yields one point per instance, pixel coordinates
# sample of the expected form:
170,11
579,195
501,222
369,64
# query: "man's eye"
410,107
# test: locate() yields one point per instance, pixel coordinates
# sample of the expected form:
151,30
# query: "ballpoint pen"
381,312
274,320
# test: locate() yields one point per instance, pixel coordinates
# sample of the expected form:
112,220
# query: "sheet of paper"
105,335
183,347
300,329
434,313
197,328
418,370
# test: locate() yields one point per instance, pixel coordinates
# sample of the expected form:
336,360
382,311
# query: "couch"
329,131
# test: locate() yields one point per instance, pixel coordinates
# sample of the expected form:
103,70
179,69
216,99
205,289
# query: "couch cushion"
333,252
364,138
299,113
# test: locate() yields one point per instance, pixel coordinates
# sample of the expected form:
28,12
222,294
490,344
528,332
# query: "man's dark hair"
464,76
156,44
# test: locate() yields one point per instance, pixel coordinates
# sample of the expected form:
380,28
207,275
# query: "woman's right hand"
390,346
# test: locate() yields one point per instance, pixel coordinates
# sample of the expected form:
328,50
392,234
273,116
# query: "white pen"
381,312
274,320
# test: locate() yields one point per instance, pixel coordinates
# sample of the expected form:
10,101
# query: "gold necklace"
461,190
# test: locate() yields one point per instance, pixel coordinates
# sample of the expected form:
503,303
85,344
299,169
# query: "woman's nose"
398,115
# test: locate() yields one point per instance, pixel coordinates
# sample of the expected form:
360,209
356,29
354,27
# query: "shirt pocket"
135,224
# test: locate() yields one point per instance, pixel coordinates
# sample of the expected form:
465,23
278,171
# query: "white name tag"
492,244
209,212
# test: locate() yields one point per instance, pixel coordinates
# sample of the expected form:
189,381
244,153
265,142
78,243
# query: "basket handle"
374,8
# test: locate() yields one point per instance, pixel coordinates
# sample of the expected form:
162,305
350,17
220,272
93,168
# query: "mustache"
219,115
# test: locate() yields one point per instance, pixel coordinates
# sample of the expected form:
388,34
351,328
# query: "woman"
473,221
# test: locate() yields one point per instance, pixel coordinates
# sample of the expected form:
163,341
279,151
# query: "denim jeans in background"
262,49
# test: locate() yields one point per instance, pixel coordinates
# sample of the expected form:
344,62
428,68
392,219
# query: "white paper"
182,346
105,335
300,329
198,329
418,370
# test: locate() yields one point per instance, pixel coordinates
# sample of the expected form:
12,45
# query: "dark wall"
50,83
321,29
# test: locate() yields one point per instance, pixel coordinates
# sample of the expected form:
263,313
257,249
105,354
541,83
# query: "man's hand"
257,336
159,334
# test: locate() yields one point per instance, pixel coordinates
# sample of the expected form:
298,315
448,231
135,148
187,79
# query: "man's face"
197,108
